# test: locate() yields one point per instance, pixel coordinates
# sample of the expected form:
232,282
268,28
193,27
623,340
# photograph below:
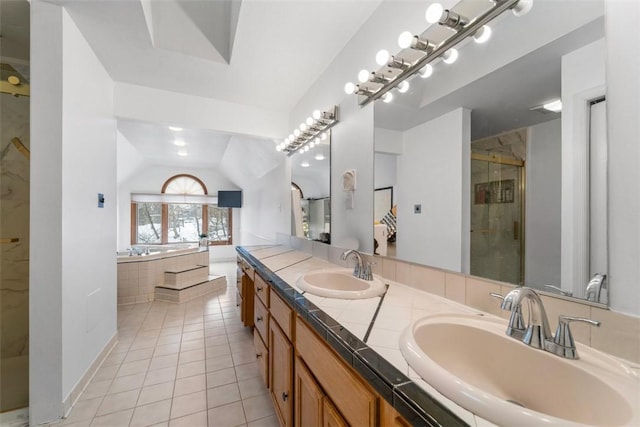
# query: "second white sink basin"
470,360
340,283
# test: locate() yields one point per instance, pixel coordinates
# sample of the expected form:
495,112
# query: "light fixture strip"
326,121
470,29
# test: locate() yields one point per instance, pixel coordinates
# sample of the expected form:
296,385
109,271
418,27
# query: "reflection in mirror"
486,180
310,192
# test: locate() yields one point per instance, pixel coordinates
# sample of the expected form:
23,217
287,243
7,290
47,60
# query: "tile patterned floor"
190,364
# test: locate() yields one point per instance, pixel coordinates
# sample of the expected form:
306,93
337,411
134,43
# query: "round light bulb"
183,153
317,114
296,132
434,13
302,127
305,164
405,39
301,151
306,148
387,97
426,71
317,141
483,34
522,7
349,88
312,144
309,121
363,76
278,148
403,86
323,136
450,56
382,57
179,143
319,156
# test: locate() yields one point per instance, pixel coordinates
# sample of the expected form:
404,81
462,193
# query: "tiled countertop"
367,340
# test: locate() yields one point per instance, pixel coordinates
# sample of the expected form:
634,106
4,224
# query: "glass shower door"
497,241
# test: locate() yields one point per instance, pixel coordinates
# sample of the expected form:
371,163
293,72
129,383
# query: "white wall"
386,170
623,109
583,79
352,148
434,171
73,266
388,141
542,206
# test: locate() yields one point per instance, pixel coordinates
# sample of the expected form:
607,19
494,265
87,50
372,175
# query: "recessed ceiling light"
179,143
175,128
319,156
555,106
183,153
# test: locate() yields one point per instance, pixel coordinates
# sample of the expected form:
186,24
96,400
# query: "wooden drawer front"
330,415
354,400
262,290
281,374
261,317
262,356
282,313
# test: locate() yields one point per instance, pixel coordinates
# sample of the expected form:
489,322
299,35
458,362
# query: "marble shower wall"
14,262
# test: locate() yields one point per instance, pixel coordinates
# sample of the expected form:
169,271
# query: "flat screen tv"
230,199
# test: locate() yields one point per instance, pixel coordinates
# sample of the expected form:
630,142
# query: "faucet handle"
516,326
563,339
560,290
367,274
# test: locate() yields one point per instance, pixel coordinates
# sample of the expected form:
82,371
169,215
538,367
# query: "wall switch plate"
417,209
100,200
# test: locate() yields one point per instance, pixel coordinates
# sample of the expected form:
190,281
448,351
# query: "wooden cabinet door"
308,397
330,415
280,374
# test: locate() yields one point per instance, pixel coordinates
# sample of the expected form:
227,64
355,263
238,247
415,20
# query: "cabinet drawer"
261,319
282,314
262,290
353,399
262,356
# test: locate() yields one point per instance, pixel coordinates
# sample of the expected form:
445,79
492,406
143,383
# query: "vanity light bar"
304,137
462,29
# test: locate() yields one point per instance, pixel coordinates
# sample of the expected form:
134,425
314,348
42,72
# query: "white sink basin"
471,361
340,283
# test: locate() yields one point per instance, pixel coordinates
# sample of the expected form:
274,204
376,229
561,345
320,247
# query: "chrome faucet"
560,290
361,270
537,333
594,289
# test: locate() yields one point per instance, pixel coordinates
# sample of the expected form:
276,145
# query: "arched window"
168,218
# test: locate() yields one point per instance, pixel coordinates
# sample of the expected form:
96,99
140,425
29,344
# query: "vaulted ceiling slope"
261,53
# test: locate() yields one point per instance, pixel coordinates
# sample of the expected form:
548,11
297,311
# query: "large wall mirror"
311,192
482,178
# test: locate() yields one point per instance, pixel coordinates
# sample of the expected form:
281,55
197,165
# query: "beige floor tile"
169,339
219,362
190,385
140,343
170,331
217,350
191,356
151,414
214,332
96,389
251,387
271,421
83,423
84,410
115,419
105,373
227,415
165,349
257,407
158,376
248,370
221,377
193,327
194,420
133,367
118,402
127,383
223,395
156,393
196,335
217,340
243,358
192,345
114,359
213,321
191,369
167,361
189,404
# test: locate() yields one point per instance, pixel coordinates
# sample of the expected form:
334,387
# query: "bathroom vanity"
333,361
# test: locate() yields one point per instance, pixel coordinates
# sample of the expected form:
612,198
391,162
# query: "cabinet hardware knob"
258,355
285,395
259,319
